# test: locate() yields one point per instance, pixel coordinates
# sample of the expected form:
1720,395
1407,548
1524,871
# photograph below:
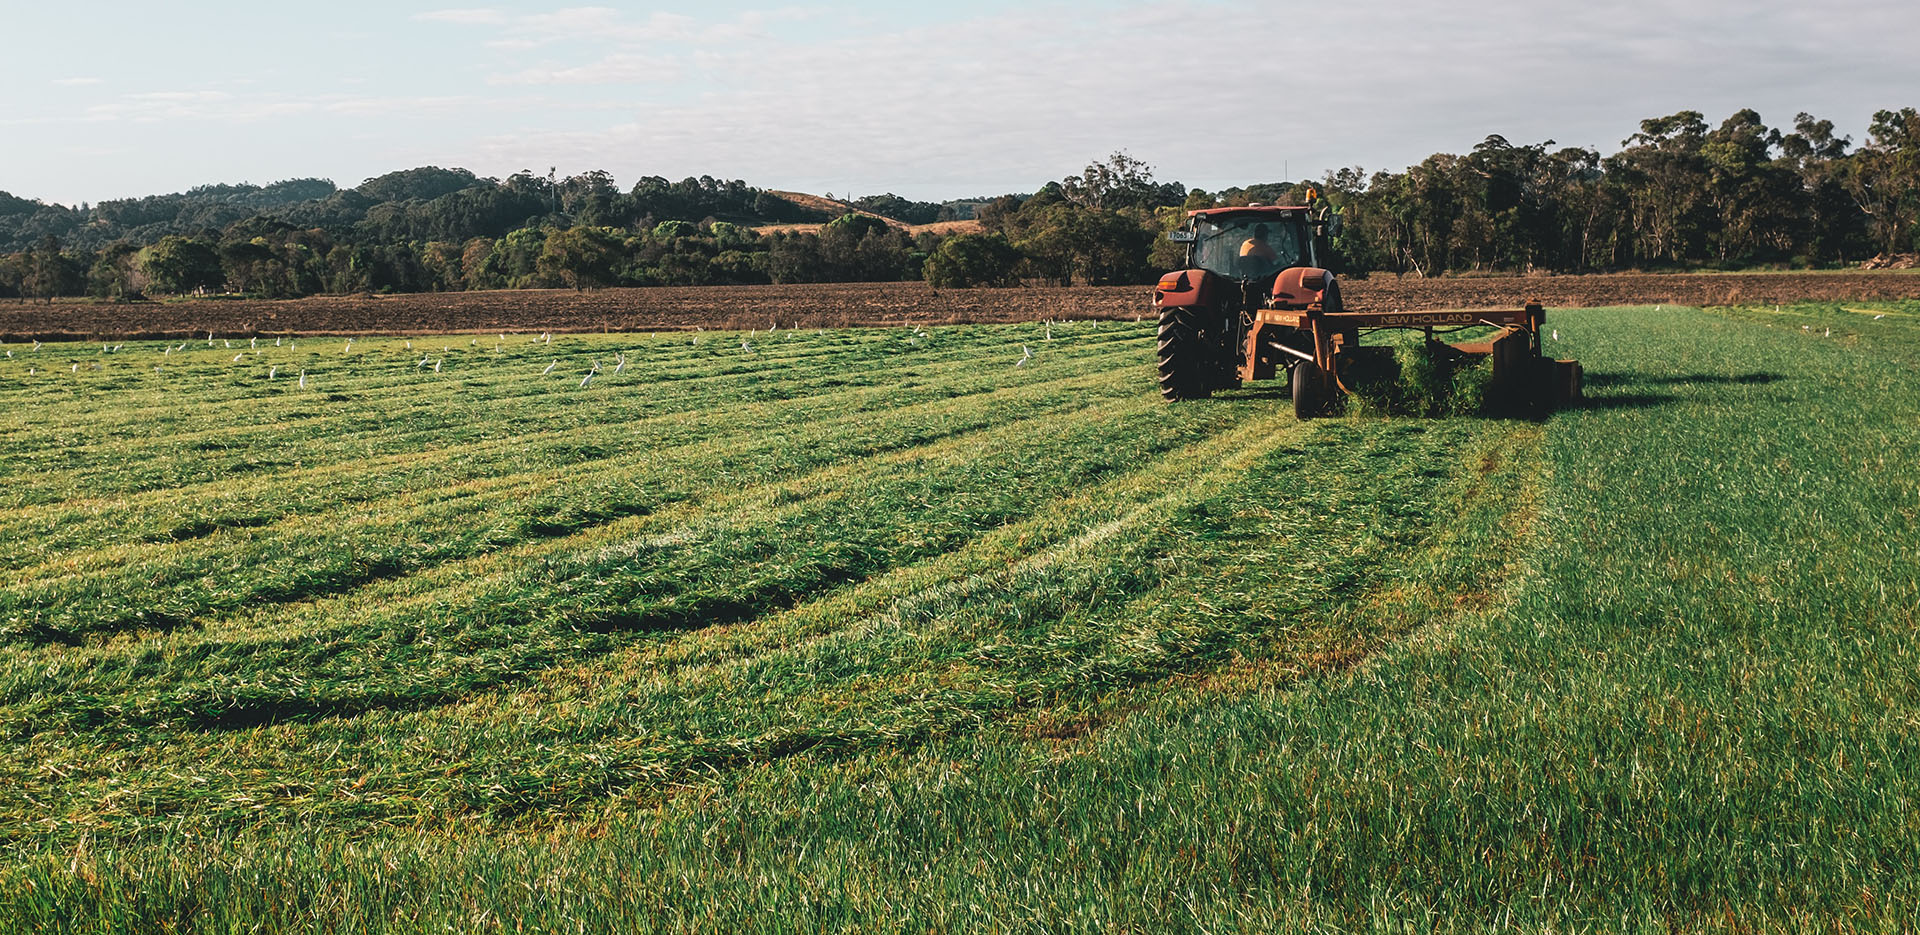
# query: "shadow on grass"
1631,379
1640,400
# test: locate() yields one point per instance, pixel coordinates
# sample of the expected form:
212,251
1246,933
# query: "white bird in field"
550,367
587,379
549,338
1049,331
1875,318
228,343
474,343
276,342
272,371
303,379
76,368
436,366
1829,333
253,343
1028,352
36,344
422,363
1556,334
236,357
209,339
9,353
621,366
744,347
409,345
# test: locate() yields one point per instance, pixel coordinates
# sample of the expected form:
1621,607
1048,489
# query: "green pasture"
957,629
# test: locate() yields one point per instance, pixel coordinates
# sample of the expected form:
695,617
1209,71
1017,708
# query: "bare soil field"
835,305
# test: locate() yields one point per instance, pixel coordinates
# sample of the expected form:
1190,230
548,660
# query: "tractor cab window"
1246,247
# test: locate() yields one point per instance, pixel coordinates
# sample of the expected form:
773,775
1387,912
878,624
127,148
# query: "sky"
928,101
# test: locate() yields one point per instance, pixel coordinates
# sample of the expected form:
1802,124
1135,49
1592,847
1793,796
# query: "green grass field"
885,630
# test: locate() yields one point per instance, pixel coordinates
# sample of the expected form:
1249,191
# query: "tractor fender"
1304,286
1184,288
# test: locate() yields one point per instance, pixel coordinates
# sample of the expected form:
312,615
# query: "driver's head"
1260,232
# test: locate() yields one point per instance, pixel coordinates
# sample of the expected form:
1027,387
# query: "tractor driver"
1257,257
1257,246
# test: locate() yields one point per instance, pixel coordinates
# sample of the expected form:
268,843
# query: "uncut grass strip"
533,616
379,427
774,433
166,585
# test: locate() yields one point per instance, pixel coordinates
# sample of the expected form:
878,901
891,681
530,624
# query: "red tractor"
1257,301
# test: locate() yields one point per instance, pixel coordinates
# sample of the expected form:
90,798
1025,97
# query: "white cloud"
224,107
607,26
463,17
620,68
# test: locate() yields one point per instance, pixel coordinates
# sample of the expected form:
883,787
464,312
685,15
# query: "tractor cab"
1248,244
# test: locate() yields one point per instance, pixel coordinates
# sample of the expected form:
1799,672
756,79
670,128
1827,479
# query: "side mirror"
1334,225
1180,236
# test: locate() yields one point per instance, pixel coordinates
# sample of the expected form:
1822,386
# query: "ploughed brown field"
852,304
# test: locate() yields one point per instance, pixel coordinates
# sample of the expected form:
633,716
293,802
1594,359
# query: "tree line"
1679,194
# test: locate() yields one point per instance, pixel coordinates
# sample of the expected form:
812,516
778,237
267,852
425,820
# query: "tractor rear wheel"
1184,357
1311,390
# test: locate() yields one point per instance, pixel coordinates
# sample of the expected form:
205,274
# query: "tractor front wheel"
1183,356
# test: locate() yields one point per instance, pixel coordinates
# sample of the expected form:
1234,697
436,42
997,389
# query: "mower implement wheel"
1311,390
1183,356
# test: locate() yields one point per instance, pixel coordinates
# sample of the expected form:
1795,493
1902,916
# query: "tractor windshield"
1246,247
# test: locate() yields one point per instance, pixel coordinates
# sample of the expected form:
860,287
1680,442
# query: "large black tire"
1312,391
1184,356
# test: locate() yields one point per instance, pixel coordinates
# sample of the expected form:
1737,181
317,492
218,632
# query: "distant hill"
428,203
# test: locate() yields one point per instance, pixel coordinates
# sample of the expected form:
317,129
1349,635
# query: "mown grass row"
1649,665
